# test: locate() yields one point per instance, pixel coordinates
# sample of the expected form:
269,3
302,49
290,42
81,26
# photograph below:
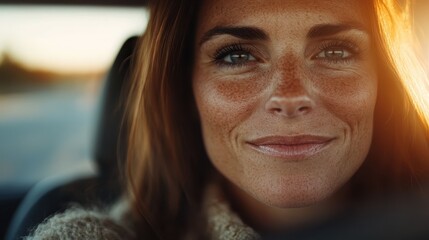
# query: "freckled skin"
236,105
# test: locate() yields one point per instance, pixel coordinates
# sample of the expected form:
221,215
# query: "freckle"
240,90
291,81
230,91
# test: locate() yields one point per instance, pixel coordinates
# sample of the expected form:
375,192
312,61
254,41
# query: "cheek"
350,98
223,103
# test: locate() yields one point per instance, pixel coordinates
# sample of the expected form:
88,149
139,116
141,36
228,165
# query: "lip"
292,148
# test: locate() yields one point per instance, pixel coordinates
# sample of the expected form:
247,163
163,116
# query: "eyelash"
222,52
340,45
345,45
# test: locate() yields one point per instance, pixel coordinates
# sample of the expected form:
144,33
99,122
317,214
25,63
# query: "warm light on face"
286,94
67,39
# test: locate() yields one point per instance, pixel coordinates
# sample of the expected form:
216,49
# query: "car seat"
54,195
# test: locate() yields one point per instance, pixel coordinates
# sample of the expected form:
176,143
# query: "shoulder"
80,223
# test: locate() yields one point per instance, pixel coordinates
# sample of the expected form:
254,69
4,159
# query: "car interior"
24,207
54,195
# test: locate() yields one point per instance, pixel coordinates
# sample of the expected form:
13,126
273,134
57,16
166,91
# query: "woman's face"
285,92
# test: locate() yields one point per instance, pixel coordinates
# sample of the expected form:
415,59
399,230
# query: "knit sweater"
94,224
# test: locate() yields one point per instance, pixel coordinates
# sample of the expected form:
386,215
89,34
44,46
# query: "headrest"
110,142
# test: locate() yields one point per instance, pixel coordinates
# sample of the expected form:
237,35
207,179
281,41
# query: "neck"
264,218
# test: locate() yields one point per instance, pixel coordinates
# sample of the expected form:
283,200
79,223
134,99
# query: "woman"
250,117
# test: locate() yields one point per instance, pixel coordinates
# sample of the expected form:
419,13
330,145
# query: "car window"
53,60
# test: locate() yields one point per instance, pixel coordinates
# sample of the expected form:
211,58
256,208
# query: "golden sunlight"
67,39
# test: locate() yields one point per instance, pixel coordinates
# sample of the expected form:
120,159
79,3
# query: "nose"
289,106
289,97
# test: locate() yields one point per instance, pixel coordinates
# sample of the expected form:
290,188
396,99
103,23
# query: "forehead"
282,12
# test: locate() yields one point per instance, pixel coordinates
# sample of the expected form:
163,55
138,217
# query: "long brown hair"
167,164
399,156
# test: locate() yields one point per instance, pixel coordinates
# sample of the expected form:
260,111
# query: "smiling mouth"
290,147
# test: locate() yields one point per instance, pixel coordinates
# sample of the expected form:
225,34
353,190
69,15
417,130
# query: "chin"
294,193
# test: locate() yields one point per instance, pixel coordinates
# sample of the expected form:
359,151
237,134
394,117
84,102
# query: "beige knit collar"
223,223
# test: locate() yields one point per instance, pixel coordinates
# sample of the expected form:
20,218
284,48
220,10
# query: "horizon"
67,39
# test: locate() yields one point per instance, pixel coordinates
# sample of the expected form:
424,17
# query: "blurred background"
54,56
53,59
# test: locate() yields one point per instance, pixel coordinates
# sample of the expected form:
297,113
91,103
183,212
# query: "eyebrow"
323,30
247,33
